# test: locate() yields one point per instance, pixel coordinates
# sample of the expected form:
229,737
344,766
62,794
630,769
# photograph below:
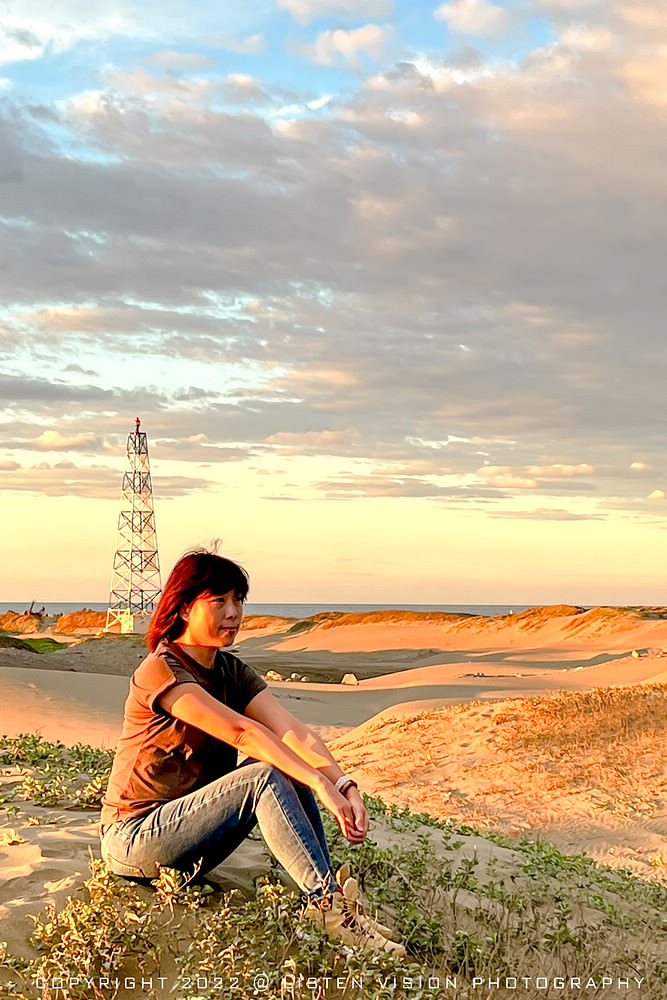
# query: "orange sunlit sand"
454,716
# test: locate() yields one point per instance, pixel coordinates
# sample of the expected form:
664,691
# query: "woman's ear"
184,612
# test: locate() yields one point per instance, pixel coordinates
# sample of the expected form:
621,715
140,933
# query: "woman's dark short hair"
196,573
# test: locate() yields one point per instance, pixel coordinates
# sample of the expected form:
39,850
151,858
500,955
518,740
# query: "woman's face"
212,620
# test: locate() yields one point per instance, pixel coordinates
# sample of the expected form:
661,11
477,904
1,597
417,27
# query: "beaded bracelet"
344,784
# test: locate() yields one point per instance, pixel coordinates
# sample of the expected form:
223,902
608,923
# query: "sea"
288,610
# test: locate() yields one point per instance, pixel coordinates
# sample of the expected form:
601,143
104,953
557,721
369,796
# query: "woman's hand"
346,812
361,817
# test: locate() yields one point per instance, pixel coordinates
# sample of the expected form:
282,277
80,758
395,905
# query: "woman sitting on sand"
177,796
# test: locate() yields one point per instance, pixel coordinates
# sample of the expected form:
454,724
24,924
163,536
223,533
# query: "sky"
383,279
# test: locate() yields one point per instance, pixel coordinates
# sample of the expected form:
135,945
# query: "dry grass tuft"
590,719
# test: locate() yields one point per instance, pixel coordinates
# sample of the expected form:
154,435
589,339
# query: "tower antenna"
135,577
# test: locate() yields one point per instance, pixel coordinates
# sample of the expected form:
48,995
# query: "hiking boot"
356,902
339,919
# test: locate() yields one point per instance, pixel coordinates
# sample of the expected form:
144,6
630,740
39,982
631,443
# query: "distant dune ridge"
571,617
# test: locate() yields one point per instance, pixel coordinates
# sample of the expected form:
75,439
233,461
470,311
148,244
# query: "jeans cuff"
325,891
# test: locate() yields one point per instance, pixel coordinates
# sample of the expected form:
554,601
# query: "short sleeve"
157,674
246,684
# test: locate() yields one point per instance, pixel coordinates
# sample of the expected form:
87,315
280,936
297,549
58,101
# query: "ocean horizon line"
295,609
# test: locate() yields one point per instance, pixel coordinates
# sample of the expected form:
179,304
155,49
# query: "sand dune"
396,656
441,721
547,628
584,771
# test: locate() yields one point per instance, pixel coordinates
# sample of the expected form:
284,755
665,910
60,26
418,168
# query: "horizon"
517,606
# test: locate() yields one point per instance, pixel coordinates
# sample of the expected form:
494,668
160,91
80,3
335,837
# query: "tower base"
125,622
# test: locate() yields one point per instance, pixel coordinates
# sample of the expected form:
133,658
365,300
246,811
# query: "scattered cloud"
253,45
557,471
320,442
545,514
55,441
656,495
305,11
358,277
349,46
504,478
581,36
93,482
177,61
368,487
474,17
18,44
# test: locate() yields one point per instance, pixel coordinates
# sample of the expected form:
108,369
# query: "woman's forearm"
309,747
262,744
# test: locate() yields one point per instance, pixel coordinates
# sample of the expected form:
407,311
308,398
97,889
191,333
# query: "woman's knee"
260,770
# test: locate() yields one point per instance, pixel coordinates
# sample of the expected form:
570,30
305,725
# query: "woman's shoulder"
161,664
157,672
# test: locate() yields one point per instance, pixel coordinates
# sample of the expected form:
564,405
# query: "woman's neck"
204,655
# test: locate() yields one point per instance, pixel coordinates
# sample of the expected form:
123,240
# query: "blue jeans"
198,831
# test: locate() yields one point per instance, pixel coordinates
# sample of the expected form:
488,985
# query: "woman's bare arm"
306,744
192,704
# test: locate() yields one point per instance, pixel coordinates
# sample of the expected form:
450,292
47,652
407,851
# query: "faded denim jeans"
198,831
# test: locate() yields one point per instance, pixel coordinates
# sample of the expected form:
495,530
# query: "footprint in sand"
57,885
31,886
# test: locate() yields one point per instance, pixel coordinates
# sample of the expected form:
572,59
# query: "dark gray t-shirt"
159,757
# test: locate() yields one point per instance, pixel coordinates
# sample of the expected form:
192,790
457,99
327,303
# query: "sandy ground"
396,658
456,760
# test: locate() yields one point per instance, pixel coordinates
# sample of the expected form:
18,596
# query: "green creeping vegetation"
466,905
52,774
37,645
45,645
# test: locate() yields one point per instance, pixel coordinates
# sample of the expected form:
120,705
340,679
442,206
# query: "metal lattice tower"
135,578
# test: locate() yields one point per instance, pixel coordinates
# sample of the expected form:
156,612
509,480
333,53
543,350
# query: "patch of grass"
525,910
11,642
607,734
36,645
52,774
45,645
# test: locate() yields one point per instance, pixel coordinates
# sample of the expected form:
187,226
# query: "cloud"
18,44
580,36
369,487
77,369
554,478
306,11
51,440
251,46
348,45
474,17
558,470
504,478
16,389
319,442
36,28
545,514
177,61
449,264
93,482
656,495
